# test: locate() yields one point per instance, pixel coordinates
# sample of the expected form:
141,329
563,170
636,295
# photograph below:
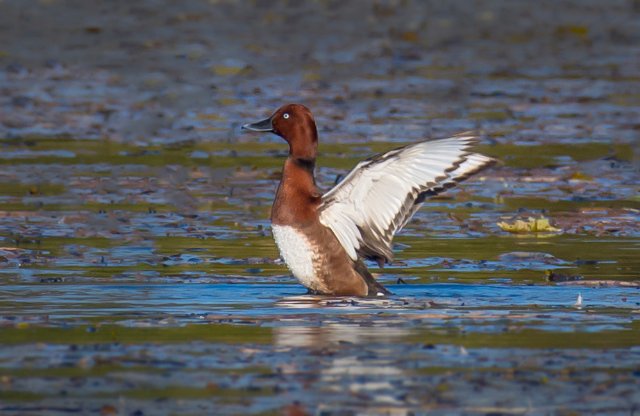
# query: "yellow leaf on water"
578,31
225,101
210,116
223,70
311,76
532,225
579,176
410,36
231,68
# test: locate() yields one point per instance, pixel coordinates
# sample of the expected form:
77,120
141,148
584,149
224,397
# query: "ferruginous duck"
323,238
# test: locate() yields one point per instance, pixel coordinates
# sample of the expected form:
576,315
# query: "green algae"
261,154
533,338
226,395
39,189
98,370
611,258
532,203
533,156
247,334
20,396
221,333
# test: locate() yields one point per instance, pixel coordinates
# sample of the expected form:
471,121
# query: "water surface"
138,274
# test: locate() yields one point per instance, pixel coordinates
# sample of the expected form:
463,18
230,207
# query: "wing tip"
466,139
472,164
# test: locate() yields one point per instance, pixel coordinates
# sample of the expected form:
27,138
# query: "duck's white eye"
285,115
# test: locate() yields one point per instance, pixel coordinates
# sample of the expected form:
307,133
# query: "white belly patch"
297,253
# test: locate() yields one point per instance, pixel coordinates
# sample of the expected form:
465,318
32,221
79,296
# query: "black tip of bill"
263,125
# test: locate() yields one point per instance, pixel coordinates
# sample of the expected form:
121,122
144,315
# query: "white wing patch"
380,195
297,253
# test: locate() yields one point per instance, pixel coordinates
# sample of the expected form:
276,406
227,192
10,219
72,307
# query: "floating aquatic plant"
532,225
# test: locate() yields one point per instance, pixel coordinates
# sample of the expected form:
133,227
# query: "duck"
325,238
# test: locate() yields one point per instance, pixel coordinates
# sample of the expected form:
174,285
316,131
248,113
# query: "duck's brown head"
295,124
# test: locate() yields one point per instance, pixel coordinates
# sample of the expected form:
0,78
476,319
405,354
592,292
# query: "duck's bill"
263,125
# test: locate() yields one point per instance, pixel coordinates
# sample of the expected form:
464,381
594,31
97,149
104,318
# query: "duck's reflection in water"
331,334
357,359
329,305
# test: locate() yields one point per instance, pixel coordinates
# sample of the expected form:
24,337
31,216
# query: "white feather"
372,195
297,253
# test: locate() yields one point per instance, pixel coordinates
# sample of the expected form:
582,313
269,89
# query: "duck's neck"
297,197
307,164
303,149
303,142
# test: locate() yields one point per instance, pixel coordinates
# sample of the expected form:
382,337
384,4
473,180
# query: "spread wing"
380,195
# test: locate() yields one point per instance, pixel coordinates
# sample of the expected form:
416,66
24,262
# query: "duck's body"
323,239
